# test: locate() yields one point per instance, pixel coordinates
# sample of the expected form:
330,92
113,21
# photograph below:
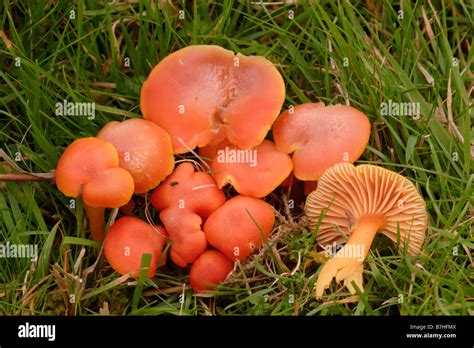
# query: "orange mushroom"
145,151
209,269
358,202
203,94
183,199
320,136
255,172
239,226
128,239
89,168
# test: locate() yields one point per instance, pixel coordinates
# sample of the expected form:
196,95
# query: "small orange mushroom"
144,149
183,199
255,172
357,203
203,94
128,239
320,136
210,268
89,168
239,226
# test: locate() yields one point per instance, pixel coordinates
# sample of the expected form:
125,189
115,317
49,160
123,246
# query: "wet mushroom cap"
347,194
256,172
145,151
189,190
210,268
90,167
239,226
128,239
320,136
203,94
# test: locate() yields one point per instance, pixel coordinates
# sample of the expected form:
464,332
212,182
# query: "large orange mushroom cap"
128,239
239,226
358,202
202,94
89,166
209,269
255,172
145,151
183,199
320,136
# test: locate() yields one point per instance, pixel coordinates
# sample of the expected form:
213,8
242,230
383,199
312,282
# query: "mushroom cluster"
225,105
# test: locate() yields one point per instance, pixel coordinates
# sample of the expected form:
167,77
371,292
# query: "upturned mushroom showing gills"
89,168
238,227
128,239
358,202
256,172
202,94
184,199
209,269
145,151
320,136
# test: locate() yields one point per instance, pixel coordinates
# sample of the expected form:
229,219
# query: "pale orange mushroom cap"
210,268
145,151
320,136
183,199
203,94
239,226
128,239
360,201
255,172
90,167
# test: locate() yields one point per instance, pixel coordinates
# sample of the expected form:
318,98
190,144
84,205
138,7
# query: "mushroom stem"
27,177
347,264
95,216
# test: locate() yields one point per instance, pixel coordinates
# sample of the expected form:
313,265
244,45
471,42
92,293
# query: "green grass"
387,57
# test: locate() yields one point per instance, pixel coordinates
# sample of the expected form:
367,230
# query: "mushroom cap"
348,193
320,136
183,199
236,228
89,167
190,190
184,229
203,94
210,268
255,172
145,150
128,239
